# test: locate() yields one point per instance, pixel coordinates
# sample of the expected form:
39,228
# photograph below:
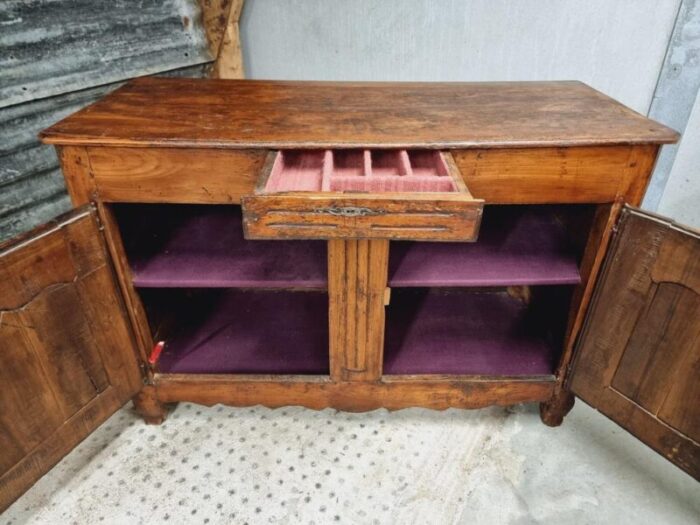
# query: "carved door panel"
638,359
67,354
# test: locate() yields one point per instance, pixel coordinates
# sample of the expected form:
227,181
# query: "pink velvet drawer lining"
360,171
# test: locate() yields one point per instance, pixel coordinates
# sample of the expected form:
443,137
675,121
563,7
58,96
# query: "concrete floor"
227,465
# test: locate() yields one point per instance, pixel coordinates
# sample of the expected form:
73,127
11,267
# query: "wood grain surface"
207,176
67,359
399,392
638,359
273,114
357,277
594,174
419,216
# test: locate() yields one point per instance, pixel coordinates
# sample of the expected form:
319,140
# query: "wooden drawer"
174,175
369,194
588,174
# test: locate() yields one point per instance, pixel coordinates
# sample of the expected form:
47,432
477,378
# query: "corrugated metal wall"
60,55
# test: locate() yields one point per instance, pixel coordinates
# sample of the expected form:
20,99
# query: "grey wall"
675,94
616,46
57,56
681,198
645,53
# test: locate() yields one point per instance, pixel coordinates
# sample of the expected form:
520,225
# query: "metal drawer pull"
347,211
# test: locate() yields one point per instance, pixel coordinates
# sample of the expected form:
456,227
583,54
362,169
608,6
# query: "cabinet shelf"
202,246
170,246
516,246
433,331
234,331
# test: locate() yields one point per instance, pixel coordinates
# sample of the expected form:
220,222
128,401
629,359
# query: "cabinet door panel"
657,349
638,359
21,372
67,358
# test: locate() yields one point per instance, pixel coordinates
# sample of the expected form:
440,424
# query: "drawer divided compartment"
371,194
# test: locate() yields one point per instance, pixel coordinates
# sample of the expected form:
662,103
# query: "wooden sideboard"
350,245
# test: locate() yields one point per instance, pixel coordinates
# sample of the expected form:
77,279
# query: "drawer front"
590,174
175,175
414,217
356,194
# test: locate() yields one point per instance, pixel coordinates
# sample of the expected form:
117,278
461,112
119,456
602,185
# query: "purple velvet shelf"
251,332
460,332
428,332
173,246
516,246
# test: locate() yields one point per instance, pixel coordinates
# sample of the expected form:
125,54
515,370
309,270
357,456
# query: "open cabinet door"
638,358
67,355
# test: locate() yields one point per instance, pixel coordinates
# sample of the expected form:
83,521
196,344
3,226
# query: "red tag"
155,353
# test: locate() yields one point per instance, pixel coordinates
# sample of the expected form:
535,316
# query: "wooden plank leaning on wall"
221,23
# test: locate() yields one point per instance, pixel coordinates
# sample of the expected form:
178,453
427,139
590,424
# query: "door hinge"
100,225
146,375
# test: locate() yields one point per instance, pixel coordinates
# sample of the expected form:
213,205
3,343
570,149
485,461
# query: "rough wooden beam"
214,19
220,18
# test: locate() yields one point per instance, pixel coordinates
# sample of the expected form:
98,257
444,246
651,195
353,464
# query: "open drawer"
370,194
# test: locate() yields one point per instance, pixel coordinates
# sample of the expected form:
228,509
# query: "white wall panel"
676,92
681,199
617,46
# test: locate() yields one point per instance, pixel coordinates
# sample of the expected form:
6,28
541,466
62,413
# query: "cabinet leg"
148,407
552,412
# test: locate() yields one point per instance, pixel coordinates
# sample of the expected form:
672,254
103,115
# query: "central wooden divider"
357,277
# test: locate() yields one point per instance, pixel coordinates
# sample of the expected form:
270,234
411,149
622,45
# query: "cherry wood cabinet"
350,245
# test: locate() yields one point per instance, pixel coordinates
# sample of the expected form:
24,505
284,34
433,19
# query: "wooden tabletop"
272,114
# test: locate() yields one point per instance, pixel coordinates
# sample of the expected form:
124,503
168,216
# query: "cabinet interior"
202,246
475,331
239,331
223,304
